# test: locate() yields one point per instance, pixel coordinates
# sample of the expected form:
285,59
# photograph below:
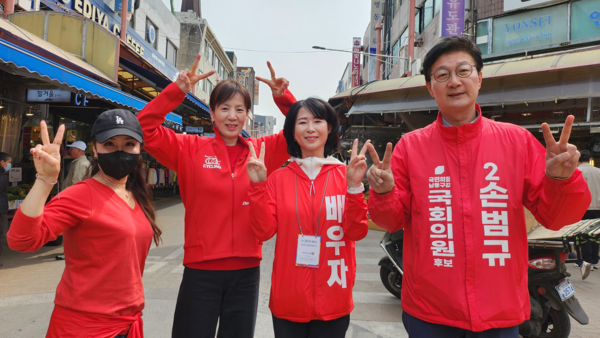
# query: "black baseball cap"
116,122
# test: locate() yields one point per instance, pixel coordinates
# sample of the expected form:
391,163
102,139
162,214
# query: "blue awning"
159,82
50,71
176,118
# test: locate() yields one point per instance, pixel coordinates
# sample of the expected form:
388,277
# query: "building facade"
541,64
197,37
264,125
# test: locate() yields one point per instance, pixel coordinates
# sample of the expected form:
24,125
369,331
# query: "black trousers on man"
208,297
417,328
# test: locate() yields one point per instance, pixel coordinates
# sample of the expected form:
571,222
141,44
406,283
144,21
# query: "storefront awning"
50,71
556,77
159,82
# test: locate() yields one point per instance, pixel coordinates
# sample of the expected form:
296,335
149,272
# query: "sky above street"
288,26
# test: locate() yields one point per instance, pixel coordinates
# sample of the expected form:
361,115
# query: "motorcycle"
551,294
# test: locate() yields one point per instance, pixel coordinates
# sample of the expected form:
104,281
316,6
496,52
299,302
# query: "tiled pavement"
28,282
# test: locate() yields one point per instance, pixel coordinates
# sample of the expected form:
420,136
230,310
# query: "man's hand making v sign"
380,175
561,157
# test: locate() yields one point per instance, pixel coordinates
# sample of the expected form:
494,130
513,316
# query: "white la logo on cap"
119,120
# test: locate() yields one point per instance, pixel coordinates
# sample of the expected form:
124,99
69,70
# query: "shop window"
223,72
132,21
151,33
211,55
483,36
395,52
418,21
217,63
428,12
171,53
397,4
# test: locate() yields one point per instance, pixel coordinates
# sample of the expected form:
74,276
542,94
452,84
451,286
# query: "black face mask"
118,164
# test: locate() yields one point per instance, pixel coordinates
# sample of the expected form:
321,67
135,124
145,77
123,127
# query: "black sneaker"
60,257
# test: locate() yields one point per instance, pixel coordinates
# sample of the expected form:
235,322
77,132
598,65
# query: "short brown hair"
449,45
225,90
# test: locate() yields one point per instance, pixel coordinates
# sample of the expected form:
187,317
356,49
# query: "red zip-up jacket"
302,294
215,199
460,194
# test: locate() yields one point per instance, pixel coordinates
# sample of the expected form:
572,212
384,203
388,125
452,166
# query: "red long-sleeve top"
106,243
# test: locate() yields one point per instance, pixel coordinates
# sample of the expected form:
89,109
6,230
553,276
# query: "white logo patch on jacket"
211,162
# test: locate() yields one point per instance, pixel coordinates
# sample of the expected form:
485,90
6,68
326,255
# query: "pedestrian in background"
315,206
80,165
458,188
5,164
109,223
589,250
221,254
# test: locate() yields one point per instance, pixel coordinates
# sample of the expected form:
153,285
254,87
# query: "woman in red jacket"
316,207
108,223
221,254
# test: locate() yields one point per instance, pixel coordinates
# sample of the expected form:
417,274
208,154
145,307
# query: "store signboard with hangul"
376,16
453,17
356,48
48,95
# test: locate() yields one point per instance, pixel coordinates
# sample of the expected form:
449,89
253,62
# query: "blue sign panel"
119,5
585,19
101,13
530,29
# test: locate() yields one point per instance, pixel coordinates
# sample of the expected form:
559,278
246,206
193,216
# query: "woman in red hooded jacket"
316,207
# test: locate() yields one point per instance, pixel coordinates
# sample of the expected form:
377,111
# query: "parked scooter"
551,294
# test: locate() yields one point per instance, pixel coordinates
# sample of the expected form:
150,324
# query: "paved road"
28,282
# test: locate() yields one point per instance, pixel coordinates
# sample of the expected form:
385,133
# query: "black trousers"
417,328
314,329
589,250
226,297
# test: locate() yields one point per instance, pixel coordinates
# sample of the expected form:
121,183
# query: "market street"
28,282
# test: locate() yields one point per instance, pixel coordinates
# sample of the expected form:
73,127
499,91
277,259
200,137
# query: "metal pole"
378,28
9,8
411,36
124,21
473,23
589,110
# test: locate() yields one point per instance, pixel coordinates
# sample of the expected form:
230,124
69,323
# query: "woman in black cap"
108,223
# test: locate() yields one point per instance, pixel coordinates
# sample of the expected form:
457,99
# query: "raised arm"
554,191
263,211
35,224
279,86
390,195
162,143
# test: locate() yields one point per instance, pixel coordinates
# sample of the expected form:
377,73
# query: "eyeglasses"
462,71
